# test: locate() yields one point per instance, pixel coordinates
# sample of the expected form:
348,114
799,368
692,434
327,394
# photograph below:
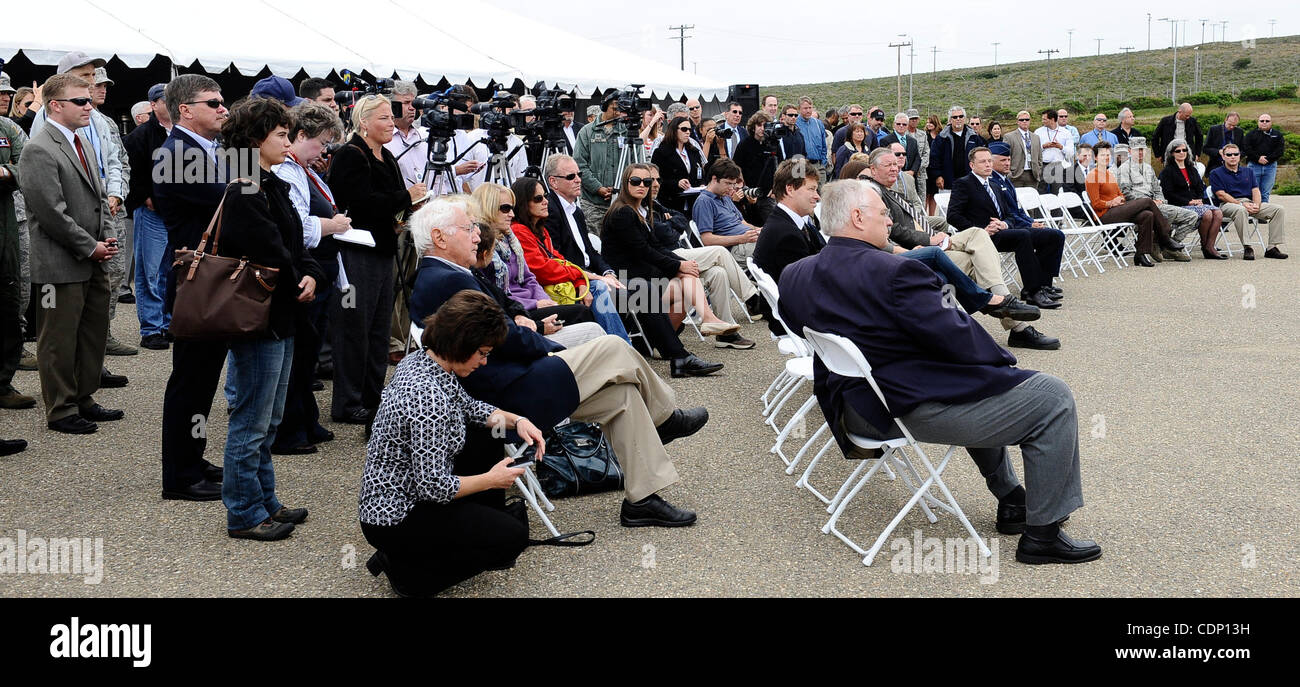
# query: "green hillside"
1088,80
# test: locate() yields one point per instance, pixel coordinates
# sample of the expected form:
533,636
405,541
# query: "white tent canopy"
465,40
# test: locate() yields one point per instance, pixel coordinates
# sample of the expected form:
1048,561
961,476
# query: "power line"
1049,52
681,37
1098,46
899,79
995,53
934,56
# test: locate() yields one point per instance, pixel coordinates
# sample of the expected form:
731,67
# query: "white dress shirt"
412,152
1057,135
569,209
209,146
300,195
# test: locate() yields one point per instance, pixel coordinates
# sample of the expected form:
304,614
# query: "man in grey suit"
1026,153
68,210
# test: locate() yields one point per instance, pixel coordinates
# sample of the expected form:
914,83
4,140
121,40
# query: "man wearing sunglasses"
1236,192
911,160
1264,147
1026,153
949,152
68,209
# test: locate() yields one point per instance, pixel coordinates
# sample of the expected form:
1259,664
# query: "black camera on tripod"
632,105
494,119
547,117
442,123
773,132
360,88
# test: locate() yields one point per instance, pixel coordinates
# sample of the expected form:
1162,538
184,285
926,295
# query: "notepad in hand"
358,236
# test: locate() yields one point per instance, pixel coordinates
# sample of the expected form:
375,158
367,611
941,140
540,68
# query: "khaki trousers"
618,389
1273,215
720,274
70,346
973,251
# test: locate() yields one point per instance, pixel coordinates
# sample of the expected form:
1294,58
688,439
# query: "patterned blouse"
418,431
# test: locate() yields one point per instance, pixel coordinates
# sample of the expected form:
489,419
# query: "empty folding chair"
843,358
1078,239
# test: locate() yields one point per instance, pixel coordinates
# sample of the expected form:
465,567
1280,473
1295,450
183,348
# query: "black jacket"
782,242
758,167
1165,134
1270,144
557,226
264,228
672,171
1123,137
1177,190
1214,142
371,192
140,144
629,245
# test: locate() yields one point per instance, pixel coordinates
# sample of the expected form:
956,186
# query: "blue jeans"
261,382
1264,176
969,294
606,315
152,269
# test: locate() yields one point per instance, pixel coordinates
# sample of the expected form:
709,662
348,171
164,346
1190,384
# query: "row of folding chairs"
895,461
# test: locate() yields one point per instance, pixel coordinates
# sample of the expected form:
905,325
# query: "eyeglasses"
900,154
736,112
855,114
686,129
79,102
27,103
1180,150
638,181
654,180
506,207
957,117
1265,121
694,108
1022,119
214,103
539,199
1228,154
567,177
1100,119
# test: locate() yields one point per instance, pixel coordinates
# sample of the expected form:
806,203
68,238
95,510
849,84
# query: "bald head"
1185,111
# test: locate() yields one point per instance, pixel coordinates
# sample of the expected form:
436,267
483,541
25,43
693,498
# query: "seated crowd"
538,301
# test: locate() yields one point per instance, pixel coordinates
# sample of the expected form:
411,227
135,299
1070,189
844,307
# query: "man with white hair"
602,381
140,112
966,392
949,159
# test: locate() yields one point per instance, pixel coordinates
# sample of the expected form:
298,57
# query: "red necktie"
81,154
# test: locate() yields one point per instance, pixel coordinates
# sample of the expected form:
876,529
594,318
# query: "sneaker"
268,530
115,347
28,362
733,341
155,342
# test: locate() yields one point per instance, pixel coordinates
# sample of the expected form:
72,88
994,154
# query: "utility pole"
1203,31
1173,42
1069,43
911,68
899,49
1197,51
681,36
934,52
1098,46
995,53
1184,21
1271,22
1049,53
1223,30
1148,30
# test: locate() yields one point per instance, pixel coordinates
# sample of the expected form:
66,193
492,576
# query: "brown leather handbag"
219,297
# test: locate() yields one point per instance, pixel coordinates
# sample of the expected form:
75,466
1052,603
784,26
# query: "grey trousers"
1039,416
1182,222
70,345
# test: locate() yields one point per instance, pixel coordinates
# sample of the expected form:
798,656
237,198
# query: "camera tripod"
632,153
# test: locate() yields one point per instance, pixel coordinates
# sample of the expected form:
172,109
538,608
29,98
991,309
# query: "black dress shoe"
1032,338
108,380
202,490
324,372
1144,260
291,515
1275,254
355,417
1011,518
378,563
317,385
1014,308
682,423
98,413
267,530
692,366
653,511
299,450
1060,549
127,298
1040,299
1053,291
320,435
214,473
1213,255
73,424
155,342
1248,253
8,447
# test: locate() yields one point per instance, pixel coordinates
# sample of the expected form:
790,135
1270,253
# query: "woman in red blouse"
1112,206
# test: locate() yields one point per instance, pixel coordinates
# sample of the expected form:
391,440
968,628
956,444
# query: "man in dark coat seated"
602,381
940,372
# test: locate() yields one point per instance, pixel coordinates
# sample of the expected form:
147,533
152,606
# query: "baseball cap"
157,91
5,86
75,59
593,110
101,76
278,88
912,113
1137,142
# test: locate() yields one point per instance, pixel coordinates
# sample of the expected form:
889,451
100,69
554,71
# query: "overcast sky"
793,42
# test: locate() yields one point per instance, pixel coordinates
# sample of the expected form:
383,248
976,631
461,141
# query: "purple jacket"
522,287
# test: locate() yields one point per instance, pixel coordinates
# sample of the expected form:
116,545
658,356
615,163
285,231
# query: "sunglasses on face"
685,129
79,102
638,181
1022,119
28,103
957,117
1179,150
506,208
1226,154
654,180
694,108
1265,121
855,114
863,177
567,177
539,199
900,154
214,103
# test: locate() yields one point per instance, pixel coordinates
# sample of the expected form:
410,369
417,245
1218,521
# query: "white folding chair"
1116,238
1078,239
843,358
1252,228
941,201
788,344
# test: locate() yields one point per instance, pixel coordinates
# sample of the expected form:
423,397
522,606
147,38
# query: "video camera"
724,132
547,116
632,105
441,123
359,88
494,119
773,132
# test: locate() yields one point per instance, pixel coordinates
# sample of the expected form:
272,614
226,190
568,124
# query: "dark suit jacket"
944,160
629,245
782,242
903,231
1010,201
672,171
970,206
1218,137
913,159
1165,134
519,376
920,350
186,208
140,144
557,227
